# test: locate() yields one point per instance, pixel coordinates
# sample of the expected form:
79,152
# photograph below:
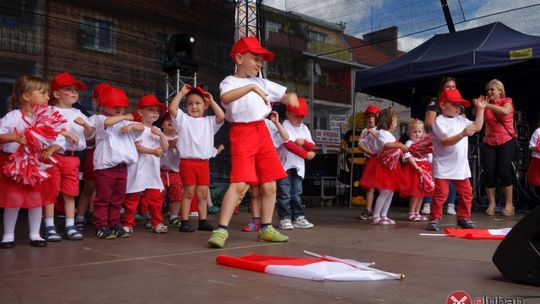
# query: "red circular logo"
458,297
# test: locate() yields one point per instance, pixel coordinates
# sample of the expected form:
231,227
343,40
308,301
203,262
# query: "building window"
317,36
96,34
271,26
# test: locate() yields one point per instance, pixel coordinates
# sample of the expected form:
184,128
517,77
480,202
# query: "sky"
417,20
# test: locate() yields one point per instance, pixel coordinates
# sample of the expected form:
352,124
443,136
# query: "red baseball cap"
453,95
66,79
372,109
111,97
150,100
302,108
252,45
197,90
98,88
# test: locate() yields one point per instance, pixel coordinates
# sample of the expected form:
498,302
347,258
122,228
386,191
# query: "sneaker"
174,223
218,238
254,227
193,214
270,234
285,224
159,228
465,224
138,217
119,231
185,226
148,224
206,226
79,225
450,209
128,231
105,233
426,209
302,223
50,234
73,234
433,225
213,209
365,215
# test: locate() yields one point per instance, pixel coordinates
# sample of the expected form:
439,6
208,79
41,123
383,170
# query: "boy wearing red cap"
246,99
450,163
143,178
196,146
366,144
65,172
292,154
84,204
115,150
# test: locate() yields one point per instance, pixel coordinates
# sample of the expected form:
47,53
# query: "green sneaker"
218,238
270,234
174,223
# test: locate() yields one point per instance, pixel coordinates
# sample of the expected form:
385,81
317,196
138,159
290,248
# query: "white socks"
10,219
34,223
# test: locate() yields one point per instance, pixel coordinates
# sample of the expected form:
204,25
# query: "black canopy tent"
473,56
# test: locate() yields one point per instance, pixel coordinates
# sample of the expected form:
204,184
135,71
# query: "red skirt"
378,176
533,175
16,195
410,184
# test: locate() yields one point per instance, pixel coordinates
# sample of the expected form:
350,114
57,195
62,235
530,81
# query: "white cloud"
406,44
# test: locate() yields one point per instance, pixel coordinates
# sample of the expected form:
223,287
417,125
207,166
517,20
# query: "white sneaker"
302,223
193,213
450,209
286,224
426,209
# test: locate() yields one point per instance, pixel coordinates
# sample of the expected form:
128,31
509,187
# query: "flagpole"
398,276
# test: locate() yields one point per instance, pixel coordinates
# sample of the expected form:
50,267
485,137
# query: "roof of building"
365,53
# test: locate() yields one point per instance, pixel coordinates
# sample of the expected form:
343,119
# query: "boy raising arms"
254,160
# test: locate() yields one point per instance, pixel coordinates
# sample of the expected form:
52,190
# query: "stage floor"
180,268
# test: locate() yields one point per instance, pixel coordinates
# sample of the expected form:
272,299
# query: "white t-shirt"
112,147
532,143
70,114
250,107
289,159
144,174
13,121
170,161
367,139
428,158
92,122
274,133
450,162
195,135
383,137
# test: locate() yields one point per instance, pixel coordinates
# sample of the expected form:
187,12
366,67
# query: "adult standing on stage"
498,147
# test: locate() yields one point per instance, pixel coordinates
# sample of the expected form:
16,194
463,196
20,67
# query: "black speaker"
518,255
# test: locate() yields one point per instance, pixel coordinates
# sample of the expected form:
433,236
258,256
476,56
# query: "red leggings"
150,196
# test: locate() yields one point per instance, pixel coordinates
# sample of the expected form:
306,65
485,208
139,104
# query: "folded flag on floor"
478,234
317,269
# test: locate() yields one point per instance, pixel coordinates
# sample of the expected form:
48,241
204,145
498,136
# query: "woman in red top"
498,149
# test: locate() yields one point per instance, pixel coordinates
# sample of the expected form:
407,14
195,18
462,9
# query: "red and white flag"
316,269
478,234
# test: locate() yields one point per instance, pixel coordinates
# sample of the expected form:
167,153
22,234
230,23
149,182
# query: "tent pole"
448,16
353,100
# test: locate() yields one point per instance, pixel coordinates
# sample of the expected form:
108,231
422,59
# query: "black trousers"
496,162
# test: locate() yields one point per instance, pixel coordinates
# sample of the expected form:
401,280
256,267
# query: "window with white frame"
271,26
96,34
318,36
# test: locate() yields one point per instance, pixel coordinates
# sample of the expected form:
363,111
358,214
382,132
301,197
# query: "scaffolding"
174,82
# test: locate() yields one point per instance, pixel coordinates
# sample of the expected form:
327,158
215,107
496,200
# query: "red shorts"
195,172
172,184
254,158
65,174
88,173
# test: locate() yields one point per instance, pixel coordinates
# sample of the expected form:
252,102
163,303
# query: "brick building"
121,42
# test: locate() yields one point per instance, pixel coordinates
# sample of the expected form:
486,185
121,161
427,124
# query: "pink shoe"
376,221
412,217
251,227
388,221
419,218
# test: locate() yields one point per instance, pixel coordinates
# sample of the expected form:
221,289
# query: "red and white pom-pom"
422,147
538,144
390,157
426,178
43,125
